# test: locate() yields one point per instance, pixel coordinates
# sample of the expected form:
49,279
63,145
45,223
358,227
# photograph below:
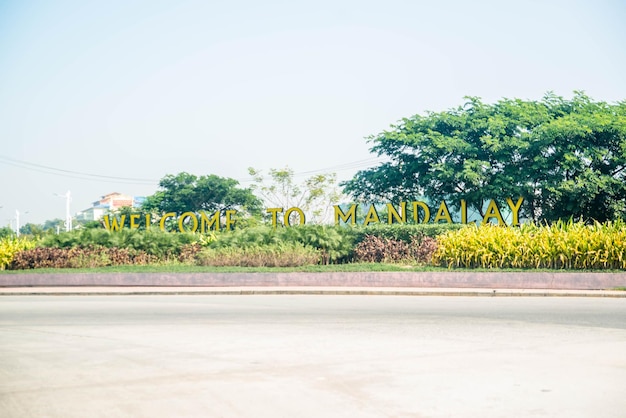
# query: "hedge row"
563,245
263,245
76,257
272,255
154,242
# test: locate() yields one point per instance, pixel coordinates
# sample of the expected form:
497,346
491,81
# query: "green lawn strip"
348,268
182,268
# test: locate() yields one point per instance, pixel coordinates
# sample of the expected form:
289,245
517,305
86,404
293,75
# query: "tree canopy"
315,195
186,192
566,158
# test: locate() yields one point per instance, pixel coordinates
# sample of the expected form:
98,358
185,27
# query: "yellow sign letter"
443,213
493,212
350,216
392,213
515,209
426,210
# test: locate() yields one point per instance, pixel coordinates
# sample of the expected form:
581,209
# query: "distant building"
109,203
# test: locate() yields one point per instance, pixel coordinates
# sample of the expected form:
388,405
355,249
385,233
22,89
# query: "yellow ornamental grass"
563,245
9,246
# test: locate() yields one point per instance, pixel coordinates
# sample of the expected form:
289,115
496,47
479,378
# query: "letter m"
350,216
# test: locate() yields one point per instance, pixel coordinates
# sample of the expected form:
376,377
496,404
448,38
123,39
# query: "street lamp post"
17,221
68,216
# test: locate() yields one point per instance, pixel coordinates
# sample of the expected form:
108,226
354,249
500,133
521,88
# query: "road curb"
448,283
559,281
231,291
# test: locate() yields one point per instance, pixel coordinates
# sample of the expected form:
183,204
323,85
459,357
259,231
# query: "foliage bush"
338,244
398,242
422,251
334,244
562,245
76,257
376,249
404,232
5,232
12,245
155,242
268,255
188,252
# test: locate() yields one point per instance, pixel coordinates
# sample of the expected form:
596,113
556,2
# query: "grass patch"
186,268
173,268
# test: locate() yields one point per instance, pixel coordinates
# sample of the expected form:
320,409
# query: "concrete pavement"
308,356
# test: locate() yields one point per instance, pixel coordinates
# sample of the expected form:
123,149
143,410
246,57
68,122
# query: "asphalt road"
311,356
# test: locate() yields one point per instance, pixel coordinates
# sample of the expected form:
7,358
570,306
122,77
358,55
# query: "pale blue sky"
142,89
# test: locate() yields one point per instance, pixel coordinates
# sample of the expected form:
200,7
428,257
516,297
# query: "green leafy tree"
5,231
315,196
566,158
31,229
91,225
186,192
54,225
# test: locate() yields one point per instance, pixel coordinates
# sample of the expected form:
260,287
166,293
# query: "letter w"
113,225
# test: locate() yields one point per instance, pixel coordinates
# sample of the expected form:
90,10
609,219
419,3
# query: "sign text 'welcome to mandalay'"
203,222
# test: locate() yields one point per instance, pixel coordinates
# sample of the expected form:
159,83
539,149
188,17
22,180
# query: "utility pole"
17,222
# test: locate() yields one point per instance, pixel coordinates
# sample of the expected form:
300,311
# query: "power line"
73,174
141,181
347,166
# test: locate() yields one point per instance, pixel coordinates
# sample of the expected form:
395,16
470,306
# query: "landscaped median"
560,246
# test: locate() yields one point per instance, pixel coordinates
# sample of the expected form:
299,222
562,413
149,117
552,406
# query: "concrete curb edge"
242,291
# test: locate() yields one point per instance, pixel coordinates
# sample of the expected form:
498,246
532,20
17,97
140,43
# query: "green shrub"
155,242
334,244
412,243
268,255
376,249
188,253
77,257
404,232
563,245
12,245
